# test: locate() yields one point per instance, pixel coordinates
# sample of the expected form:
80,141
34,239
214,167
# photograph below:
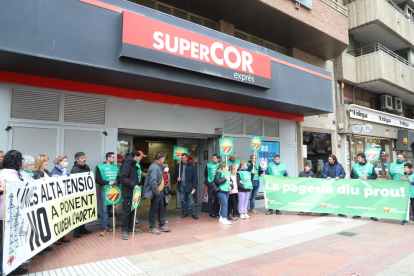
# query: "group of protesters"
232,185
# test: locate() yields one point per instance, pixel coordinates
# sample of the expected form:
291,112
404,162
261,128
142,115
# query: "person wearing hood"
397,168
408,171
362,172
61,166
12,166
128,177
80,167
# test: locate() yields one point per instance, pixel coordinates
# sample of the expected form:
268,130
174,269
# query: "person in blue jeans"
222,180
256,182
187,183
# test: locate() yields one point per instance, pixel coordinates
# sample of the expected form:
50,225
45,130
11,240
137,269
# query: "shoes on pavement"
166,221
242,216
64,239
112,230
20,270
356,217
412,218
269,212
278,212
342,216
137,231
232,217
164,228
195,216
58,242
49,248
246,216
224,221
213,216
154,231
104,232
184,215
404,222
374,218
124,235
253,211
85,231
78,236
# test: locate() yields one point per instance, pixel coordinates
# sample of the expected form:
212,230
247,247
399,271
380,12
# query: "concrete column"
225,27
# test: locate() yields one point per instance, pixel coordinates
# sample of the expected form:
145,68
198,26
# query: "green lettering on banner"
113,195
396,169
246,178
369,198
108,172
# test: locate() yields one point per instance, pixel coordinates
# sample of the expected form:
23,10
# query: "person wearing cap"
140,175
128,176
106,174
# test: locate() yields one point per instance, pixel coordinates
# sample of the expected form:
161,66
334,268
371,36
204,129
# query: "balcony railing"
335,5
346,2
376,48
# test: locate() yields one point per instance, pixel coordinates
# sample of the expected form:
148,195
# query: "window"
348,95
241,35
180,14
358,96
164,9
367,98
209,24
195,19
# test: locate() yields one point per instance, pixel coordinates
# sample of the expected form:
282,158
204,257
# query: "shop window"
407,110
180,14
375,101
367,99
348,95
358,96
195,19
256,41
270,46
209,24
240,35
319,147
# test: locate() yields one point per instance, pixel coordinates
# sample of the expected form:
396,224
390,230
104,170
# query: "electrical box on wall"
405,139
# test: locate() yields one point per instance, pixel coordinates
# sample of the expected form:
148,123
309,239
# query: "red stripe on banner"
133,94
300,68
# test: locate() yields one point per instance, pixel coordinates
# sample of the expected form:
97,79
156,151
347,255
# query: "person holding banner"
233,160
154,190
235,181
363,170
79,167
187,185
278,169
209,173
40,165
256,174
245,185
222,180
28,167
408,171
128,177
61,165
397,168
307,172
12,165
106,174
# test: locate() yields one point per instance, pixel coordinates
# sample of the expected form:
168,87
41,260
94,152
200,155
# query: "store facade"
99,76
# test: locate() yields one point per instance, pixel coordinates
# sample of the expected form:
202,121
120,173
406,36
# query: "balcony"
377,69
380,21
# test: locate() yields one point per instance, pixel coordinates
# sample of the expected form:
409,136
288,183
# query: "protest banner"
136,200
39,212
113,196
177,152
370,198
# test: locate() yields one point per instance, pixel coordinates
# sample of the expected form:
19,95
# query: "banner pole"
367,167
226,160
179,169
113,215
135,215
4,213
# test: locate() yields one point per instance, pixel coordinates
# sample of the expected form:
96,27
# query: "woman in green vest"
408,171
222,180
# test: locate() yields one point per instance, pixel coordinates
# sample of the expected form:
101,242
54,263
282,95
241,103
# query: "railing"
346,2
376,48
335,5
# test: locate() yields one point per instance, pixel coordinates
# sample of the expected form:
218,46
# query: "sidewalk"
285,244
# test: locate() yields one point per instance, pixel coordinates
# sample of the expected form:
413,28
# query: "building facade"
112,75
375,80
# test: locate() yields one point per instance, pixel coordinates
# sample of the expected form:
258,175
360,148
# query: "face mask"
166,169
245,168
399,161
65,165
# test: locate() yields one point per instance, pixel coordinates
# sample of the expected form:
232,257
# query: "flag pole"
4,213
135,215
113,215
367,167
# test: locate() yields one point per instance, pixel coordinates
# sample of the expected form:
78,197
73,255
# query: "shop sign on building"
151,40
370,115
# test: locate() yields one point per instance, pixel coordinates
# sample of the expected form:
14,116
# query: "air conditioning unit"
386,103
398,105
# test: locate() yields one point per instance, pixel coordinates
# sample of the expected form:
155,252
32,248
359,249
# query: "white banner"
367,114
39,212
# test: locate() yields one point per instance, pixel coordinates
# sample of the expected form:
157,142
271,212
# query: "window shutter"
271,128
84,110
233,124
253,126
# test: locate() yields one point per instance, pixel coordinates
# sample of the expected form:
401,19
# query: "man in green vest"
397,168
278,169
363,171
106,174
233,161
408,171
209,173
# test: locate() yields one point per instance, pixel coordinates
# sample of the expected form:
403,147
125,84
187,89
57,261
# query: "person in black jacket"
128,177
187,185
40,165
79,167
213,200
307,172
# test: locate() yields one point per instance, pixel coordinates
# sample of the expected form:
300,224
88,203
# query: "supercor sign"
151,40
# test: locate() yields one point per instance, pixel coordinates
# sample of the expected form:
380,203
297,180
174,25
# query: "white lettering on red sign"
205,52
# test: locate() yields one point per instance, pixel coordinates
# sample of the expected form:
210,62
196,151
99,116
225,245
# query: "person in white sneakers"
222,181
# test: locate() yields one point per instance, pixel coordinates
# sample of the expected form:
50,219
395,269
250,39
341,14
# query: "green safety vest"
395,169
211,171
411,177
139,172
236,162
359,170
245,177
225,187
257,168
108,172
277,169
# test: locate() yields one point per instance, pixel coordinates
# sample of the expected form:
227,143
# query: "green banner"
255,143
226,146
137,198
178,151
369,198
372,154
113,195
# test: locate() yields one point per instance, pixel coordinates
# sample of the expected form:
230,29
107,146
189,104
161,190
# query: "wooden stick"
179,169
135,215
4,212
113,214
226,160
367,167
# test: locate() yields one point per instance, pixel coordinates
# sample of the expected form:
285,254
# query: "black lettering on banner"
39,229
90,182
51,184
59,190
34,233
45,235
74,185
82,184
54,212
